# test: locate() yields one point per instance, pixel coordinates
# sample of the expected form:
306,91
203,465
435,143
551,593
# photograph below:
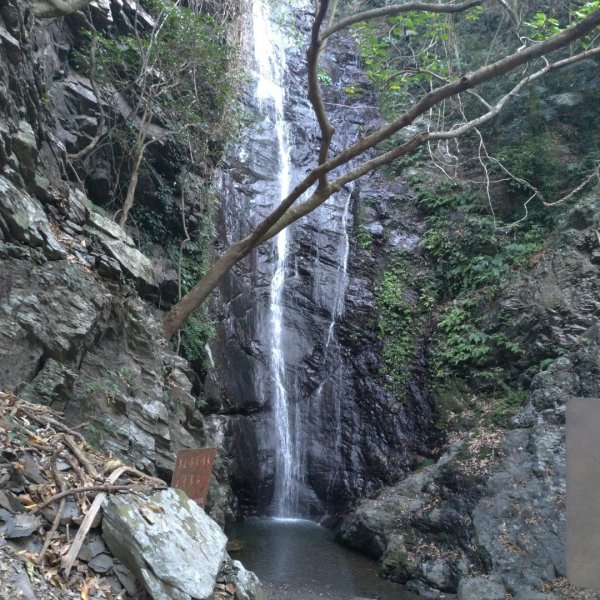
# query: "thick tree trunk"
129,198
179,314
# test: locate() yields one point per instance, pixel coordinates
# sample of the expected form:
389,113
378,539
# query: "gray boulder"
478,588
120,247
168,541
248,586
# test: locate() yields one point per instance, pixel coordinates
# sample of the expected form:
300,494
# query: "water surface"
299,560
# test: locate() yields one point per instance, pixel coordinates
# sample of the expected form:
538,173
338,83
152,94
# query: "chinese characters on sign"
192,472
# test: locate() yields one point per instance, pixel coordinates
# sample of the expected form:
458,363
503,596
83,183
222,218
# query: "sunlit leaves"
543,26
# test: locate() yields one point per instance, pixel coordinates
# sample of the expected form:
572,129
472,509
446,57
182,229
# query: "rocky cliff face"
75,331
489,517
79,330
353,435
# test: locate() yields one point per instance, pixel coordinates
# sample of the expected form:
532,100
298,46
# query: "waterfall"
342,282
271,64
312,424
291,436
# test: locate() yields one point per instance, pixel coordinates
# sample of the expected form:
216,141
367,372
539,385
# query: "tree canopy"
538,53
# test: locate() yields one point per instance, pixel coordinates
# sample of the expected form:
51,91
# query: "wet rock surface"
351,423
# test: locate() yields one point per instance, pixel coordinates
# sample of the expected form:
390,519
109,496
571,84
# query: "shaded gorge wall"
348,433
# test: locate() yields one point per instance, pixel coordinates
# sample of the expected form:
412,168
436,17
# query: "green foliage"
114,383
542,26
179,83
396,330
179,69
323,77
400,55
461,347
363,237
159,219
406,295
468,246
507,406
195,334
192,259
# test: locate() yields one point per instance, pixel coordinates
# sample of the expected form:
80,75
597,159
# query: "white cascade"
271,67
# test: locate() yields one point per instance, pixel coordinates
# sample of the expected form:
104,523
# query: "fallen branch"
44,420
59,513
102,487
69,558
87,465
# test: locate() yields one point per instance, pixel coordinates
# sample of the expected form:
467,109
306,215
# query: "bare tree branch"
93,68
495,110
284,214
314,92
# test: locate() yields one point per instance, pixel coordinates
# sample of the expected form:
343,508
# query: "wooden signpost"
192,472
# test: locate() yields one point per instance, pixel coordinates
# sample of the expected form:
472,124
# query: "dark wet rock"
121,250
166,277
549,311
176,556
69,514
237,580
28,313
552,387
398,525
440,574
127,580
25,147
53,382
91,548
9,502
108,227
132,261
355,435
78,210
30,469
496,530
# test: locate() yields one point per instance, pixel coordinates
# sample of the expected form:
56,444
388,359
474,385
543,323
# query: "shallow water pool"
299,560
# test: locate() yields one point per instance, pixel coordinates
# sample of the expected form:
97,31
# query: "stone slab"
583,492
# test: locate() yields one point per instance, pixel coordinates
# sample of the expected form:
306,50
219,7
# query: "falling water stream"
295,558
270,59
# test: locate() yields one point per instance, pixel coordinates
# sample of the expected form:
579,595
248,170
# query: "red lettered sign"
192,472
